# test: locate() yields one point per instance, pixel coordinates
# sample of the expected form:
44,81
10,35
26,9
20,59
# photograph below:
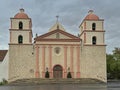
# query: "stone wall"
22,62
93,62
4,68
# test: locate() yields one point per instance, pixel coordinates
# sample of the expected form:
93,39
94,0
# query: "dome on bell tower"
91,16
21,14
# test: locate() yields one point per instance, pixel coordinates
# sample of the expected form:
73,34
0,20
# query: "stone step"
37,81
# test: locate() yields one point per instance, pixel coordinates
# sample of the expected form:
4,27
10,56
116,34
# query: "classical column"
50,61
37,74
43,62
71,61
65,62
78,62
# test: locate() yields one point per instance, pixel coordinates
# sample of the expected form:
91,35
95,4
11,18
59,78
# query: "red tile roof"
91,16
21,15
2,54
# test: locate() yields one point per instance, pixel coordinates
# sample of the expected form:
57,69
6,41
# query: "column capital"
43,46
65,46
71,46
49,46
36,46
77,47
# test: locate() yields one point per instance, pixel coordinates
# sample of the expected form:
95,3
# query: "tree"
110,60
116,51
4,81
113,64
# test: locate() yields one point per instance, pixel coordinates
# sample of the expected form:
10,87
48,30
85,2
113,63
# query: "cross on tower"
57,17
57,22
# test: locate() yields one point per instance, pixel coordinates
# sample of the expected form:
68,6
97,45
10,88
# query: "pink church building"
57,51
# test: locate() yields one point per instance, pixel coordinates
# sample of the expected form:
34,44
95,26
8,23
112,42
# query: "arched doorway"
57,71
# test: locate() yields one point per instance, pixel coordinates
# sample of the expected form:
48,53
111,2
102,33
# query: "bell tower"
20,47
21,29
93,49
92,30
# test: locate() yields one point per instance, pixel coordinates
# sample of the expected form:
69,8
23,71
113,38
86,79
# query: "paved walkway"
57,87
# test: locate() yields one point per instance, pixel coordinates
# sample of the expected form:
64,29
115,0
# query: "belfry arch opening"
20,39
94,40
94,26
20,25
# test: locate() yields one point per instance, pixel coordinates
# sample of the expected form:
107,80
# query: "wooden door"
57,71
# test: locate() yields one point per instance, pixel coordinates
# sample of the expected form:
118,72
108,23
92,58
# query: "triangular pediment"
57,35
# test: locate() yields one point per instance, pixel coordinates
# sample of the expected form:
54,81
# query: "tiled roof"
21,14
91,16
2,54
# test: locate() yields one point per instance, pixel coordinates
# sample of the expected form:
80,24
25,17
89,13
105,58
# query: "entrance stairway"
36,81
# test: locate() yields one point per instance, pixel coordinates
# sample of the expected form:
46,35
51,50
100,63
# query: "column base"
65,75
43,74
72,73
78,74
51,74
37,74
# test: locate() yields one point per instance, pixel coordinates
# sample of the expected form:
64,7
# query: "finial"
68,69
90,11
22,10
46,68
57,22
57,17
36,35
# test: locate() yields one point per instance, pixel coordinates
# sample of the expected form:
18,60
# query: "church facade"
57,51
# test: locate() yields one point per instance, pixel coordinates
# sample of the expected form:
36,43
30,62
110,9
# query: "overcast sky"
71,13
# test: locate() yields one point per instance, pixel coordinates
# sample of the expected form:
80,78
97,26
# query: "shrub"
4,81
47,74
1,83
69,75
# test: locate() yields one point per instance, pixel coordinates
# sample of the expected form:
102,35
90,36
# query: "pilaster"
78,62
71,60
43,62
65,61
37,74
50,62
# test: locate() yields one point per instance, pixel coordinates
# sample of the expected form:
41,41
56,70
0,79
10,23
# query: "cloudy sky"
71,13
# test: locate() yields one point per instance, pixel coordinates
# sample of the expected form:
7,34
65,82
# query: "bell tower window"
94,26
20,39
94,39
20,25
